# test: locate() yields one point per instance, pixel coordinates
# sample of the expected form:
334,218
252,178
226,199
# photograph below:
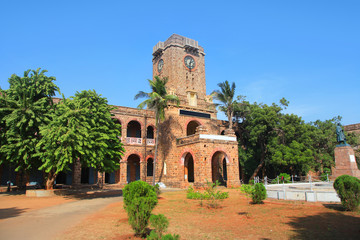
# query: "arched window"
134,129
191,127
150,132
150,167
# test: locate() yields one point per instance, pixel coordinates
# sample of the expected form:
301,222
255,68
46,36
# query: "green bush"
170,237
259,193
160,223
191,194
247,189
210,194
139,200
324,175
157,189
283,177
348,190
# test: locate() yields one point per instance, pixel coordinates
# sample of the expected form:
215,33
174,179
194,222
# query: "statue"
341,139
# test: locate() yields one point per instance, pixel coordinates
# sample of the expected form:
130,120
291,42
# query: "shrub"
157,189
160,223
259,193
247,189
170,237
283,177
348,190
191,194
325,174
210,194
139,200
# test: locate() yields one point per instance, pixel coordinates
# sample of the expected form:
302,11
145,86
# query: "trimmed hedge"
139,200
348,190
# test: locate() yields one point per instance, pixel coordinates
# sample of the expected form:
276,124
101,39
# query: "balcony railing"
139,141
150,142
134,141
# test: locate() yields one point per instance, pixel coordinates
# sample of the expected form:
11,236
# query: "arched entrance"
219,167
133,168
189,168
191,127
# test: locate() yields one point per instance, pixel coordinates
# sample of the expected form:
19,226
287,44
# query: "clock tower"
182,60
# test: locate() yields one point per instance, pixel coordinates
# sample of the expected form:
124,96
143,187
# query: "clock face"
160,65
189,62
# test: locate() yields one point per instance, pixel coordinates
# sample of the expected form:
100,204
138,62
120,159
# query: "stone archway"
133,168
219,167
189,168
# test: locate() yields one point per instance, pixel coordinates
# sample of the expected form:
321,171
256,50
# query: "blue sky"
305,51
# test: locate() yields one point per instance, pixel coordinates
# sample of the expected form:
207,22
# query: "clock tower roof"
180,41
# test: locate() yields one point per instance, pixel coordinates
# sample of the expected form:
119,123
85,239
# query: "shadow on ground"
11,212
88,194
334,206
337,225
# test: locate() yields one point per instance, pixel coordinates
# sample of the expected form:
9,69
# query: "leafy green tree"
261,127
158,100
227,103
81,128
283,143
292,150
24,108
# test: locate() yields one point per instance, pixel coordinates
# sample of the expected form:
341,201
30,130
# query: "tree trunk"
257,170
230,116
156,150
50,179
261,164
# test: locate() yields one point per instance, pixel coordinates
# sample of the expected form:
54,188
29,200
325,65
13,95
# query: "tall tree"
227,103
24,108
157,100
81,128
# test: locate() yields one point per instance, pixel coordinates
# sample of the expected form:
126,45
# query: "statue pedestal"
345,162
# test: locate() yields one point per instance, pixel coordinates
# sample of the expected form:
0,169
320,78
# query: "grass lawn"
235,219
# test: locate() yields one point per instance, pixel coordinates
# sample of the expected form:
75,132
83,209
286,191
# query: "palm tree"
226,96
157,100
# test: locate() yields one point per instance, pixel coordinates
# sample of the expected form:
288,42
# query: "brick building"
194,147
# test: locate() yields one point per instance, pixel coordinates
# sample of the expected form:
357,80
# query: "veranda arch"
219,162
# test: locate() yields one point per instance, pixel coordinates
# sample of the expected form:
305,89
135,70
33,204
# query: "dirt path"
47,223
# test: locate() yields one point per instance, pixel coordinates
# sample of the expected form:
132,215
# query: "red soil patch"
236,219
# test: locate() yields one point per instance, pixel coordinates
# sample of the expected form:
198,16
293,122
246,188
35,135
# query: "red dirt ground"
236,219
12,205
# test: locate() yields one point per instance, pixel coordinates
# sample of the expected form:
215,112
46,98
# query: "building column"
123,173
